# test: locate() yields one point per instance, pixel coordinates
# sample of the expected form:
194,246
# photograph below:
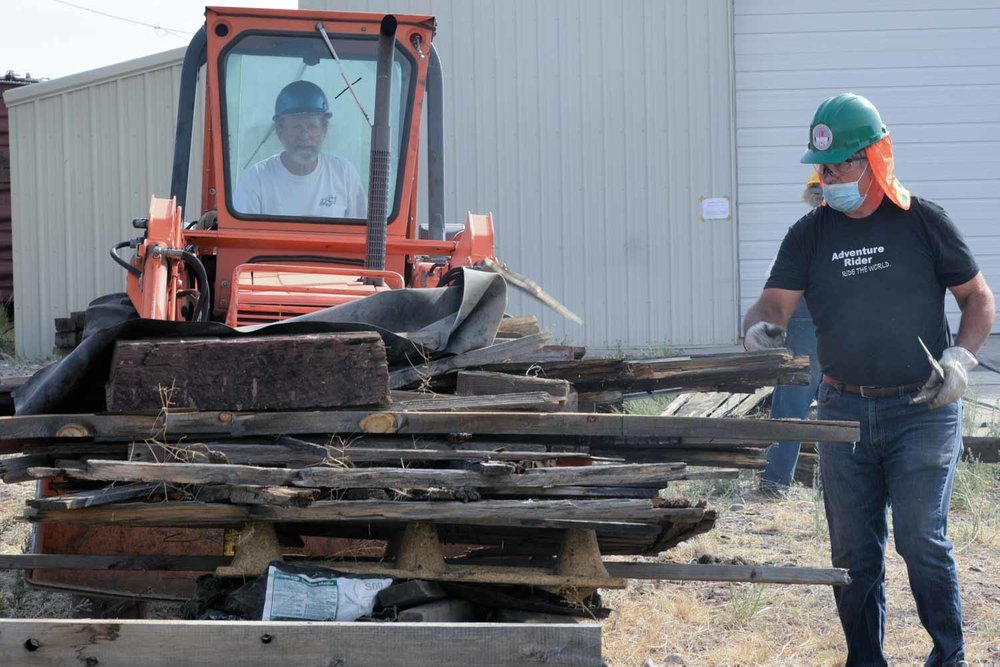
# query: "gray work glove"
764,336
956,362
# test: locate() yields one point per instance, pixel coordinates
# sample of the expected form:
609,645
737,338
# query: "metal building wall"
931,68
591,129
87,153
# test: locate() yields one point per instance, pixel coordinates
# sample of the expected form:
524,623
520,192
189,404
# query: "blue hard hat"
301,97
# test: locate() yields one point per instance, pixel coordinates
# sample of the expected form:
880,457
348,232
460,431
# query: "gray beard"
303,157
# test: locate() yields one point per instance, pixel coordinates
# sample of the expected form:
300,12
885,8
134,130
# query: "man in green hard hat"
873,264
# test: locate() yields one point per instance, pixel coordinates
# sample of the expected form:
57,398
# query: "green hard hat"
841,126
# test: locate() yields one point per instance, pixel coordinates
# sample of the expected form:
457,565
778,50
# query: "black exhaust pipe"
378,178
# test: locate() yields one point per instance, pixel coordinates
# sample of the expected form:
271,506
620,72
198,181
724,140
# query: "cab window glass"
297,143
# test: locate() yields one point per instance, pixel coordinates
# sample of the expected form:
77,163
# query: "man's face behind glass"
302,136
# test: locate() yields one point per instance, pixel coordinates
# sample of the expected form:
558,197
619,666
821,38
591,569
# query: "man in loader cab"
302,181
874,264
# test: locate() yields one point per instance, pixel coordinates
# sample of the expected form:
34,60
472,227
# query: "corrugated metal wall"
931,68
591,129
88,151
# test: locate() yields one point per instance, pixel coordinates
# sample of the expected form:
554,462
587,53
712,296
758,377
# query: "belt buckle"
863,393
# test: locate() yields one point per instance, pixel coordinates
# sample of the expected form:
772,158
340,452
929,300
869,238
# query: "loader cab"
318,219
284,95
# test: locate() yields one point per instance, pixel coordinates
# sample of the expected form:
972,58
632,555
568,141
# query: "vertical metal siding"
590,129
932,69
88,152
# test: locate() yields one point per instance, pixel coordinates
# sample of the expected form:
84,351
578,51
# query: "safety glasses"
841,170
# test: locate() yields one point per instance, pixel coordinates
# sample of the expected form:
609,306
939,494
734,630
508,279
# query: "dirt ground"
700,623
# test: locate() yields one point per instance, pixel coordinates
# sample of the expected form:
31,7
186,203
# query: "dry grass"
703,623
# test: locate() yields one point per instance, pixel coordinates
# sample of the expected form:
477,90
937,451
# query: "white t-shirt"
332,190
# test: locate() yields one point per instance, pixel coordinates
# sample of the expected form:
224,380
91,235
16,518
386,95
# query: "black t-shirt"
873,285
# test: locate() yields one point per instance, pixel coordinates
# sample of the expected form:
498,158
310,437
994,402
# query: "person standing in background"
793,401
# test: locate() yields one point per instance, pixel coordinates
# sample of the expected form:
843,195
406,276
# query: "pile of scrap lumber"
498,483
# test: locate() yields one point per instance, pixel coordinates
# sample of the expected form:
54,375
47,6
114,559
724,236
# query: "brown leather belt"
872,392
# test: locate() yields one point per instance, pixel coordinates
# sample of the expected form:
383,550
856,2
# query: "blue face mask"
845,197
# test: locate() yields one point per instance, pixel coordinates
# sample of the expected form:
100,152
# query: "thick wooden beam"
126,643
236,424
485,512
249,373
755,573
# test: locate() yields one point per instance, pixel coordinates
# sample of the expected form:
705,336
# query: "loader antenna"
378,184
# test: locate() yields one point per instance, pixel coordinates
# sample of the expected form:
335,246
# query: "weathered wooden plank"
616,425
677,403
538,401
12,382
983,448
64,324
518,327
703,404
752,402
126,643
93,498
756,573
249,373
718,372
14,469
517,349
279,455
476,383
280,496
65,339
236,424
115,562
362,478
733,457
728,406
574,492
485,574
486,512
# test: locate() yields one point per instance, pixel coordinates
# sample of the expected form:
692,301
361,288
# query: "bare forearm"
978,313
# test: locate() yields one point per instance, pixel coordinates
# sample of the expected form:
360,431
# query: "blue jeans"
791,402
905,460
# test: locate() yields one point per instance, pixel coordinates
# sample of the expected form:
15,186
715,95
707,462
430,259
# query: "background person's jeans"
906,459
791,402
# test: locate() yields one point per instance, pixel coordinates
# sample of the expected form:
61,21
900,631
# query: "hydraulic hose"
201,308
118,258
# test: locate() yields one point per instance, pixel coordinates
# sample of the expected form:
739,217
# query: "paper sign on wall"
715,208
